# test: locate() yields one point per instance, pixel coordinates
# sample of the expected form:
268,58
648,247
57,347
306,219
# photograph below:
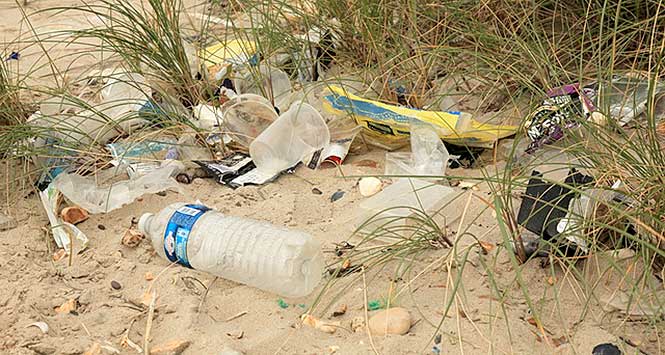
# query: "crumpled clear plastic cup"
297,133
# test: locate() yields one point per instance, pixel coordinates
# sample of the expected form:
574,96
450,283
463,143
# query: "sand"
216,314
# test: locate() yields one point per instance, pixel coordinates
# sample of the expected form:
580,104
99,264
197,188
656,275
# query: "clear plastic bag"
428,157
85,193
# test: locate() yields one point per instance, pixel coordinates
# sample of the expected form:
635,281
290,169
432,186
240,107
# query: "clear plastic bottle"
251,252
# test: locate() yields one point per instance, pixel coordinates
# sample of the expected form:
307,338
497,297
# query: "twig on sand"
125,338
160,274
86,329
203,298
236,316
148,324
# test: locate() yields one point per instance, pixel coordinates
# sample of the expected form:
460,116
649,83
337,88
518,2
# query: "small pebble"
183,179
606,349
161,193
390,321
317,191
101,227
116,285
337,195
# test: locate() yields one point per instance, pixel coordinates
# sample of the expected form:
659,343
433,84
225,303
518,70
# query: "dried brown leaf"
59,254
487,246
367,163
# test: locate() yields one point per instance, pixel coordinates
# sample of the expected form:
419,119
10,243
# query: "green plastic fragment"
282,304
374,305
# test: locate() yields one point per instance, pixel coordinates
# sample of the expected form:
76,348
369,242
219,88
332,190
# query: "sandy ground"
191,307
479,321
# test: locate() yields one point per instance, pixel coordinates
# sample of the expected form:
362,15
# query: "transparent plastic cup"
244,98
126,92
297,133
246,119
428,157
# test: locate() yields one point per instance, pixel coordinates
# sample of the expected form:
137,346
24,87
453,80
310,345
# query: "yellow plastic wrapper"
221,57
387,126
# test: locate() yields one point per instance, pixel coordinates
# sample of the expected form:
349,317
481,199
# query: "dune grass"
505,54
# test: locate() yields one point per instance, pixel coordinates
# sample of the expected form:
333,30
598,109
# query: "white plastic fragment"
296,134
207,117
41,325
399,200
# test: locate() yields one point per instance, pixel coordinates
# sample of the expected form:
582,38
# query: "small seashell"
41,325
369,186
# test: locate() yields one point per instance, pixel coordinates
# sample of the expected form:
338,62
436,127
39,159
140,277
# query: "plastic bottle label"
177,232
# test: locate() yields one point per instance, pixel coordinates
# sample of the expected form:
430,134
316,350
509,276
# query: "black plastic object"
606,349
228,168
545,204
462,157
226,83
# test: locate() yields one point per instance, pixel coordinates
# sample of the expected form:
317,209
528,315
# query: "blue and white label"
178,230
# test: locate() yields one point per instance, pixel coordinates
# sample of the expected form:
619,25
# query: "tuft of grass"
151,40
12,110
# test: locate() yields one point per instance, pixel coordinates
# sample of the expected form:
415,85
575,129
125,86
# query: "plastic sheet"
428,156
85,193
